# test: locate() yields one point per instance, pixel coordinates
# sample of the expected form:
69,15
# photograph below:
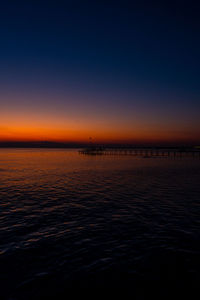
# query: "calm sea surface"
70,220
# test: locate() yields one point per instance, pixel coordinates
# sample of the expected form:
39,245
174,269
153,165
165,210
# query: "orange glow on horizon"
76,125
82,133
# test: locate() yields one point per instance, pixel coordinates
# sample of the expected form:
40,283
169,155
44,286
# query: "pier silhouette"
143,151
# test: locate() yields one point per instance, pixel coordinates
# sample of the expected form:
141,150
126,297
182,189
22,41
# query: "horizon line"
68,144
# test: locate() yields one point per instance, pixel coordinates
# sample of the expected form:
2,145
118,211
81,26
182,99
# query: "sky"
116,71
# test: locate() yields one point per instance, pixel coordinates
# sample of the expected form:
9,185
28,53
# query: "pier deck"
144,152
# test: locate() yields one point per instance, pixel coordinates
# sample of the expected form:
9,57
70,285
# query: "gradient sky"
116,72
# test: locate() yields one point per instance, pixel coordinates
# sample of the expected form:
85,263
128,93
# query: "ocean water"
75,221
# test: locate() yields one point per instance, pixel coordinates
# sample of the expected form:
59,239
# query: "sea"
75,221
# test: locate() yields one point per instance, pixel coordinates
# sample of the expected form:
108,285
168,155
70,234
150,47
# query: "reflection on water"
71,220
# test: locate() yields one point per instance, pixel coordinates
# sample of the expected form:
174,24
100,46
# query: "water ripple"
67,221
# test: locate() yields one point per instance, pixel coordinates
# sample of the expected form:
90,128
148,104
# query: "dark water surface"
69,220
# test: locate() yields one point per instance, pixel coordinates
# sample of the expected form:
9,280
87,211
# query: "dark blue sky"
124,54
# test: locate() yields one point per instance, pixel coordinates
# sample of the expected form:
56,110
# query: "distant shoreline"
85,145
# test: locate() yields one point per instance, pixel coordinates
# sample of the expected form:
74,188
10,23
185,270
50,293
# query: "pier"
144,151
